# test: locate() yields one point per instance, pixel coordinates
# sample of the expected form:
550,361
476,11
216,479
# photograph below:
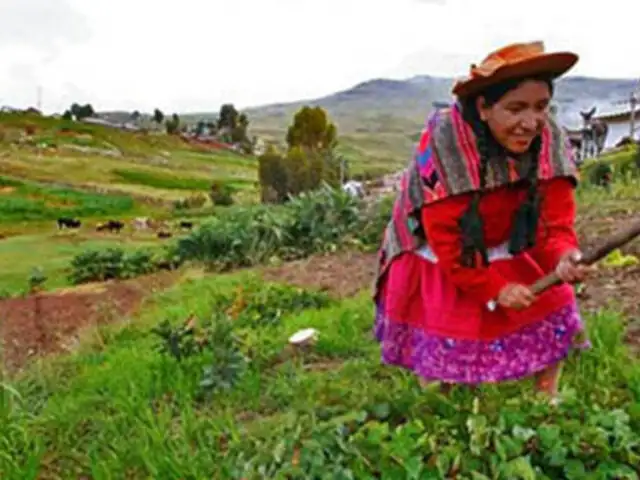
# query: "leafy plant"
115,263
221,194
178,341
313,222
227,363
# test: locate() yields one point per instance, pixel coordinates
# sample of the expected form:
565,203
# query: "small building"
618,123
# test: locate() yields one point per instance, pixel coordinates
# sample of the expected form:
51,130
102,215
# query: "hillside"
49,153
371,105
378,119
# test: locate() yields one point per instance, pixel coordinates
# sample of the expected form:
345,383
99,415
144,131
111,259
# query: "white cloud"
195,54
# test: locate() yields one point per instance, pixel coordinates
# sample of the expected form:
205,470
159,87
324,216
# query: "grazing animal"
594,134
142,223
68,222
111,225
186,225
164,234
354,189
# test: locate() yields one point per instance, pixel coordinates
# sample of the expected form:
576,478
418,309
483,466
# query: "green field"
145,397
25,201
52,253
334,412
150,165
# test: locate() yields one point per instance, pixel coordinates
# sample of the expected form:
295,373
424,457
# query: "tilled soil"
49,322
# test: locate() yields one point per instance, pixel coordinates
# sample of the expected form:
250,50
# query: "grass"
161,180
145,166
23,201
329,411
53,253
174,181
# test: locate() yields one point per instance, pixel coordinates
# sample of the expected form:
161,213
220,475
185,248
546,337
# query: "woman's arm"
556,235
440,221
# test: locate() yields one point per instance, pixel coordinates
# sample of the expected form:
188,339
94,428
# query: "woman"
485,209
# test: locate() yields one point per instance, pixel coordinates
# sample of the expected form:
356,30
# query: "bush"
221,194
620,166
313,222
299,170
191,202
114,263
214,345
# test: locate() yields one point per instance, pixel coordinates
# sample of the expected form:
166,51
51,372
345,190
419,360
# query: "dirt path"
64,313
342,275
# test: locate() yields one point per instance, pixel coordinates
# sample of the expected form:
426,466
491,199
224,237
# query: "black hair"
525,223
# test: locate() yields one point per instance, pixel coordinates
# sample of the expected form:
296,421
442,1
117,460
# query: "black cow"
68,222
186,225
111,225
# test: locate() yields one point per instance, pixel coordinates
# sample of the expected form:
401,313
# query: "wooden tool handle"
616,241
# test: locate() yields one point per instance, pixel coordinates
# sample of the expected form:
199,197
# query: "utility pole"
633,101
39,99
632,117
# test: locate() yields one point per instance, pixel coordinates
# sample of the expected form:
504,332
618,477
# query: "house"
618,123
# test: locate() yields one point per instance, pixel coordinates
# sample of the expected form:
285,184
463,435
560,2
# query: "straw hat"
514,61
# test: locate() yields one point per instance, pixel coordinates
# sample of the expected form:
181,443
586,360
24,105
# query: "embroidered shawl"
446,163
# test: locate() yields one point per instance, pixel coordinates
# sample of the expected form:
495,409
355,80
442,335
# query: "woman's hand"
569,269
516,296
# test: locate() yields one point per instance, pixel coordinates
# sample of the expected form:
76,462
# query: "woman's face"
518,117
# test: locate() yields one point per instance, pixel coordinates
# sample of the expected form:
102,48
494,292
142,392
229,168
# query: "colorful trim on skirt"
514,356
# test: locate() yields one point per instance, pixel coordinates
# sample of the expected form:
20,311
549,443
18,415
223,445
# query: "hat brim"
552,64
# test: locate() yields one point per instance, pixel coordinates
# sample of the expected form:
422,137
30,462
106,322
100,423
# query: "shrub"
313,222
297,171
114,263
221,194
191,202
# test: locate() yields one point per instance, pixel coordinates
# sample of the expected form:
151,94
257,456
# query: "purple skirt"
514,356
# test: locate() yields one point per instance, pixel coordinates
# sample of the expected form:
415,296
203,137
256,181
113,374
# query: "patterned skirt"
517,355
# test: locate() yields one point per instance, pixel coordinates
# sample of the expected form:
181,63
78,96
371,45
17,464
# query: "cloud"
42,25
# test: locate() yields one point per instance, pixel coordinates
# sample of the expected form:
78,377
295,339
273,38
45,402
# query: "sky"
193,55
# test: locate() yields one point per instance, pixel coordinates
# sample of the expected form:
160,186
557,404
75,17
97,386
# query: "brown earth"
346,274
50,322
342,274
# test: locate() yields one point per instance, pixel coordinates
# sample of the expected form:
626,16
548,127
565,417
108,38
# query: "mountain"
367,104
378,120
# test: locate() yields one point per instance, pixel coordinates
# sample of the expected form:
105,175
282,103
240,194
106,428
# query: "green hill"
41,158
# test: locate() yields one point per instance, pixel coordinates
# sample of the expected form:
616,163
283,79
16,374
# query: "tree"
200,127
158,116
272,176
239,132
135,116
312,130
173,124
308,162
82,111
228,117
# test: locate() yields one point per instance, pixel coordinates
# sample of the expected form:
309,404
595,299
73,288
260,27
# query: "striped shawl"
446,163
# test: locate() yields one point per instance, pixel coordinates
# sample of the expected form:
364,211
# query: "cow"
142,223
186,225
111,225
68,222
164,234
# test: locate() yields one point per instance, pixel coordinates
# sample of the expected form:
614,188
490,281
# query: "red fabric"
448,299
497,208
